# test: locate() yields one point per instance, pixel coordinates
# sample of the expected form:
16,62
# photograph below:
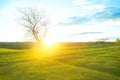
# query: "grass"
70,61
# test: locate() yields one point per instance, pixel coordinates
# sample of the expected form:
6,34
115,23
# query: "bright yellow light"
48,43
45,51
50,39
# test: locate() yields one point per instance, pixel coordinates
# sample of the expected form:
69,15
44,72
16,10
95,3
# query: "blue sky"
70,20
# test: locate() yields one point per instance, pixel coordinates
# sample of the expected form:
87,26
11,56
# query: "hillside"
69,61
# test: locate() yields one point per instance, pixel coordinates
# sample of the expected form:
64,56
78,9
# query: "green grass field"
69,61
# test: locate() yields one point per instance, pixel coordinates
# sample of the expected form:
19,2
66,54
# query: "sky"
70,20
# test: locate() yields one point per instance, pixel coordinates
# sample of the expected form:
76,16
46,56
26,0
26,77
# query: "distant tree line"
102,40
117,40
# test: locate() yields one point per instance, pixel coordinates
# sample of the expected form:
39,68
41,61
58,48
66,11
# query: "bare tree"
34,22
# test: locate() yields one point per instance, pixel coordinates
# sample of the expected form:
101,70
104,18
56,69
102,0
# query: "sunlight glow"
48,42
50,38
45,51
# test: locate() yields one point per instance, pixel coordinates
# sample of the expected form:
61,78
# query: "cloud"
80,2
85,33
91,33
94,7
74,20
90,4
110,13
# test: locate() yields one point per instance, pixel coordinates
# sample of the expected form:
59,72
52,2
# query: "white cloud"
90,5
93,7
80,2
108,28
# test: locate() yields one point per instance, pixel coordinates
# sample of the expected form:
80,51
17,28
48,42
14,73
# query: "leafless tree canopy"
35,22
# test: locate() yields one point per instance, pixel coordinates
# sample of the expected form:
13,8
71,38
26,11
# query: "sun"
49,42
51,38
